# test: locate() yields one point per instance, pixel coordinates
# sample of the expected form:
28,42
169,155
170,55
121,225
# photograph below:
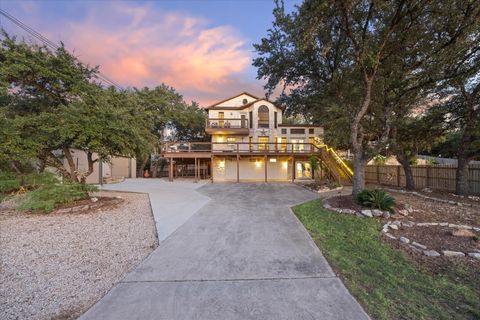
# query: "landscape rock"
94,199
393,226
443,224
414,248
367,213
459,226
474,255
390,236
448,253
386,214
397,223
404,240
64,210
408,224
349,211
403,212
408,208
377,213
326,205
462,233
418,245
431,253
476,229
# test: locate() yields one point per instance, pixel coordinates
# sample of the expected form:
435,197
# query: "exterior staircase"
337,167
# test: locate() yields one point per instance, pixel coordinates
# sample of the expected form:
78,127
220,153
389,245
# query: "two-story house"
249,142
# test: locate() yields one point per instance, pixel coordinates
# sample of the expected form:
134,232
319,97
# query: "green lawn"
380,277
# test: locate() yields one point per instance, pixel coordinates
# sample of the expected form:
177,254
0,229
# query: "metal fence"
440,177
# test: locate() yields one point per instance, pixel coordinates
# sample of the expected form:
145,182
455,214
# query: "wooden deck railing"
226,123
240,147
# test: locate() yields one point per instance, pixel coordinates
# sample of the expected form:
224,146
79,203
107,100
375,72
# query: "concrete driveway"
242,255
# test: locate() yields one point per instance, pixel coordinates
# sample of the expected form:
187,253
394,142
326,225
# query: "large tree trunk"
461,181
90,161
356,139
71,164
359,163
407,169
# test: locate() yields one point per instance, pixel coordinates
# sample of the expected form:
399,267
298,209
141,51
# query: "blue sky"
202,48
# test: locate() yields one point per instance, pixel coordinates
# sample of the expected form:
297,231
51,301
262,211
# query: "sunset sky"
201,48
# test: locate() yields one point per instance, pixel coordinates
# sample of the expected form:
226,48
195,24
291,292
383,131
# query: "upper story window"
311,131
244,101
297,131
263,117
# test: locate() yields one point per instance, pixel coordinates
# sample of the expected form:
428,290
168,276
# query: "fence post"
398,176
428,177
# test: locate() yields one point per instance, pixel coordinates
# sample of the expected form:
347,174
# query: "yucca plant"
376,199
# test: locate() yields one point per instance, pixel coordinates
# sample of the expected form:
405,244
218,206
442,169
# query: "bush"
10,182
376,199
48,196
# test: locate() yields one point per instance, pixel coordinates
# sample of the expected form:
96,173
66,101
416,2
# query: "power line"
52,44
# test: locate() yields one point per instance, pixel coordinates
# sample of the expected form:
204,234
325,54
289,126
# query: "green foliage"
379,159
380,277
47,197
377,199
10,182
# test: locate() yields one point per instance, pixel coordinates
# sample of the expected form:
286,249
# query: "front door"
263,143
221,116
297,145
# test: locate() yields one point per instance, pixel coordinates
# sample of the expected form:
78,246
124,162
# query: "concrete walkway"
243,255
172,203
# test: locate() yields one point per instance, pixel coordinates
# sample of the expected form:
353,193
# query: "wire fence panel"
440,177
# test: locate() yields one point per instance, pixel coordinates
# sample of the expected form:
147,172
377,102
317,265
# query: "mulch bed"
344,202
434,237
104,203
439,238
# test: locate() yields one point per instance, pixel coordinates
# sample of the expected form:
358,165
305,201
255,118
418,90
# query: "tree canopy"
360,68
51,104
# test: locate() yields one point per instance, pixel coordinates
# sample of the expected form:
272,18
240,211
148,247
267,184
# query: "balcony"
206,149
231,126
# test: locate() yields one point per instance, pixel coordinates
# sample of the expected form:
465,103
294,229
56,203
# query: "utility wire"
51,44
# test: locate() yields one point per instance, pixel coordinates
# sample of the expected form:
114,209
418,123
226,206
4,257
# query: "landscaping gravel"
56,266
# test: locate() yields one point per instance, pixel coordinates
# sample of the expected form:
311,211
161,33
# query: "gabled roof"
216,107
235,96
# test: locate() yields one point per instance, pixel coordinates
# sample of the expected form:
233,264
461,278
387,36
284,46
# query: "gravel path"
56,266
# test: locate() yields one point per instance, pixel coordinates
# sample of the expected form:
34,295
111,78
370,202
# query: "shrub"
10,182
48,196
9,185
376,199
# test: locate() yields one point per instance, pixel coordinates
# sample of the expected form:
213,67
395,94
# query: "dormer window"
263,117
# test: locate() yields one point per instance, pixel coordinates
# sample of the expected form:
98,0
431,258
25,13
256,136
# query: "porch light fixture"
273,160
258,164
285,164
221,163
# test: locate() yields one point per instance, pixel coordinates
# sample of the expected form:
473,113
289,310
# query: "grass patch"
47,197
380,277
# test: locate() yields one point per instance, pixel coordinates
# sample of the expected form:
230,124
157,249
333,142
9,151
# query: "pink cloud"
138,46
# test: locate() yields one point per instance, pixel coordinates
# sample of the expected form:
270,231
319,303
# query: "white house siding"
251,169
237,101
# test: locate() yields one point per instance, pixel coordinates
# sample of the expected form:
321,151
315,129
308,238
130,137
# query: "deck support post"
265,164
211,167
293,169
170,170
195,169
238,168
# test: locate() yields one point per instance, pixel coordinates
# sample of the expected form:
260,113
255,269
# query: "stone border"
422,248
415,193
370,213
